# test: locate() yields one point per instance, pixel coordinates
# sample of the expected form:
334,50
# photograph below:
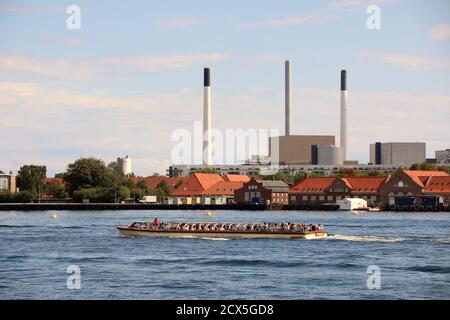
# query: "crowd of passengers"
256,227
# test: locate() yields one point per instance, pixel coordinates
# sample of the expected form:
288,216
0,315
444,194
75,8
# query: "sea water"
40,256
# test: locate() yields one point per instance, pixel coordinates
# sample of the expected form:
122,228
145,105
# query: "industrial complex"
308,153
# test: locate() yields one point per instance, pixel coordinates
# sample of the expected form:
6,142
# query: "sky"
132,74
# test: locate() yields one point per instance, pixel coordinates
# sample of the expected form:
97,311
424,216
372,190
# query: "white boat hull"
132,232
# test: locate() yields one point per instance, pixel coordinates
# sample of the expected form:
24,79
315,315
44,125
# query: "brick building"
262,192
207,188
410,187
329,190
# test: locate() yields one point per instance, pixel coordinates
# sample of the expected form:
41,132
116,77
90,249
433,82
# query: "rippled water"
412,251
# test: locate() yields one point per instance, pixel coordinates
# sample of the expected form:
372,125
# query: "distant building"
262,192
330,155
261,169
296,149
399,154
442,156
8,182
125,163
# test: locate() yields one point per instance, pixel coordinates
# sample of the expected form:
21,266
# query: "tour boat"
145,229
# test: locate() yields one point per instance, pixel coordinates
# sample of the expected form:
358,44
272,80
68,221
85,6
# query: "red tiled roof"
366,184
347,183
356,184
152,182
197,184
313,185
438,184
421,177
207,179
224,188
236,177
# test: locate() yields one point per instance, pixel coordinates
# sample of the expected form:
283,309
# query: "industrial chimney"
343,133
287,97
207,157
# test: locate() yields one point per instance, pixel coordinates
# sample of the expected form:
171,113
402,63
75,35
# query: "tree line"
84,179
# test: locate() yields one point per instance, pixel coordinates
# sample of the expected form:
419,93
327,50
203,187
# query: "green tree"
425,166
142,185
163,189
116,169
31,178
347,173
57,189
87,173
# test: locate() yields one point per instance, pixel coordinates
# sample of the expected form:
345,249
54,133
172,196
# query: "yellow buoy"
55,216
209,213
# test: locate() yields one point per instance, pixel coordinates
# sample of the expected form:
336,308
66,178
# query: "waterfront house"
262,192
411,187
208,188
7,182
331,190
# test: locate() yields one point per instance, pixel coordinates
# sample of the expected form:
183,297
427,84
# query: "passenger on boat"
156,222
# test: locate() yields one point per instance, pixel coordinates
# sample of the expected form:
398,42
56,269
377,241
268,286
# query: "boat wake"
365,238
447,240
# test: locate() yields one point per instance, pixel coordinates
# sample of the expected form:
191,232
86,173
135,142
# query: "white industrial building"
442,156
400,154
125,164
330,155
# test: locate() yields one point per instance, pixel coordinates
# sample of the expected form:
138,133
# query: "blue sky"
133,74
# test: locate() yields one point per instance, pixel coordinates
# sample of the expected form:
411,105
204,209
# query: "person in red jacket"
156,222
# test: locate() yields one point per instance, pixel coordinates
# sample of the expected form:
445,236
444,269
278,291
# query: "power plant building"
296,149
442,156
330,155
399,154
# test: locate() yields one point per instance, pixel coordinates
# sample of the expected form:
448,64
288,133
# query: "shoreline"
238,207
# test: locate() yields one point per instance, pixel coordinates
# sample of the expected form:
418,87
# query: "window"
313,198
330,198
321,198
293,198
305,198
4,185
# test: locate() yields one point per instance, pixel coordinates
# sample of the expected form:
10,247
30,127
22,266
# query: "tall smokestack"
343,133
287,97
207,158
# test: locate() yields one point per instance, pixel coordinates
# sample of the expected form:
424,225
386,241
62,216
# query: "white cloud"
359,5
161,62
184,22
406,62
50,68
100,68
440,32
291,21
